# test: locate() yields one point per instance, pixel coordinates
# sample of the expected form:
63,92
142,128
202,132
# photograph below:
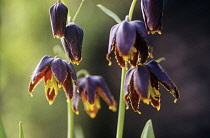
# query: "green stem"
75,16
121,113
82,73
21,134
70,131
132,9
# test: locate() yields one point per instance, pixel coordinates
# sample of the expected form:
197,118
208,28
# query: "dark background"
26,37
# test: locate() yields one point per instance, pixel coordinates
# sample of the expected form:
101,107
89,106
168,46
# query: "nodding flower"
56,73
89,89
72,42
129,41
58,18
152,11
142,83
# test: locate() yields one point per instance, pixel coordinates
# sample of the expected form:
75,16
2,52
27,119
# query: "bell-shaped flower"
130,41
142,83
152,11
58,17
56,73
72,42
89,89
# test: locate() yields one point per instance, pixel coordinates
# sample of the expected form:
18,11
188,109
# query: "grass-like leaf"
21,134
148,130
109,13
2,133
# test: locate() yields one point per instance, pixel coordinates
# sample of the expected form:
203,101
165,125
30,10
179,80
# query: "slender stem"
75,16
132,9
82,73
121,113
70,131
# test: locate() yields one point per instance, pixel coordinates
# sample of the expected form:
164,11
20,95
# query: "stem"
121,113
70,129
82,73
75,16
132,9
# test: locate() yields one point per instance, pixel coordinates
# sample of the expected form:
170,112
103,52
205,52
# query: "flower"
72,42
130,41
58,17
142,83
89,89
56,73
152,11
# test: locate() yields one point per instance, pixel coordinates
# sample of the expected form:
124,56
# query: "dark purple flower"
142,83
130,41
89,89
72,42
58,17
152,11
56,73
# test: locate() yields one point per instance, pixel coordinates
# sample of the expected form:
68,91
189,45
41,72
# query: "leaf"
110,13
148,130
21,134
2,133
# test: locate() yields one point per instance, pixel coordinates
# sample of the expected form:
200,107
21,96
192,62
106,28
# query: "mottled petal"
134,97
119,59
58,17
141,82
141,30
50,95
71,69
59,69
157,71
68,86
104,92
74,37
89,87
128,77
112,37
125,38
43,63
152,11
76,100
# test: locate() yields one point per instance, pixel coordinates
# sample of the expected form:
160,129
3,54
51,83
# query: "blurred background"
26,37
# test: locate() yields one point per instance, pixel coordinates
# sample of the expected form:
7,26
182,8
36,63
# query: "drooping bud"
58,17
152,11
72,42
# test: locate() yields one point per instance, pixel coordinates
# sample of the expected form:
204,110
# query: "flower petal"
50,95
43,63
152,11
125,38
59,69
134,97
112,37
160,74
104,92
71,69
68,86
76,99
89,87
141,82
128,77
119,59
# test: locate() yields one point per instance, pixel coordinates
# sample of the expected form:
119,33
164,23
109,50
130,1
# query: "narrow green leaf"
21,134
148,130
2,133
110,13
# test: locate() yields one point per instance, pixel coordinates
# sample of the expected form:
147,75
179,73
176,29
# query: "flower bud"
58,17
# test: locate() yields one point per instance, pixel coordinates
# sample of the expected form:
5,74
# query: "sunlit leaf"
21,134
110,13
2,133
148,130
